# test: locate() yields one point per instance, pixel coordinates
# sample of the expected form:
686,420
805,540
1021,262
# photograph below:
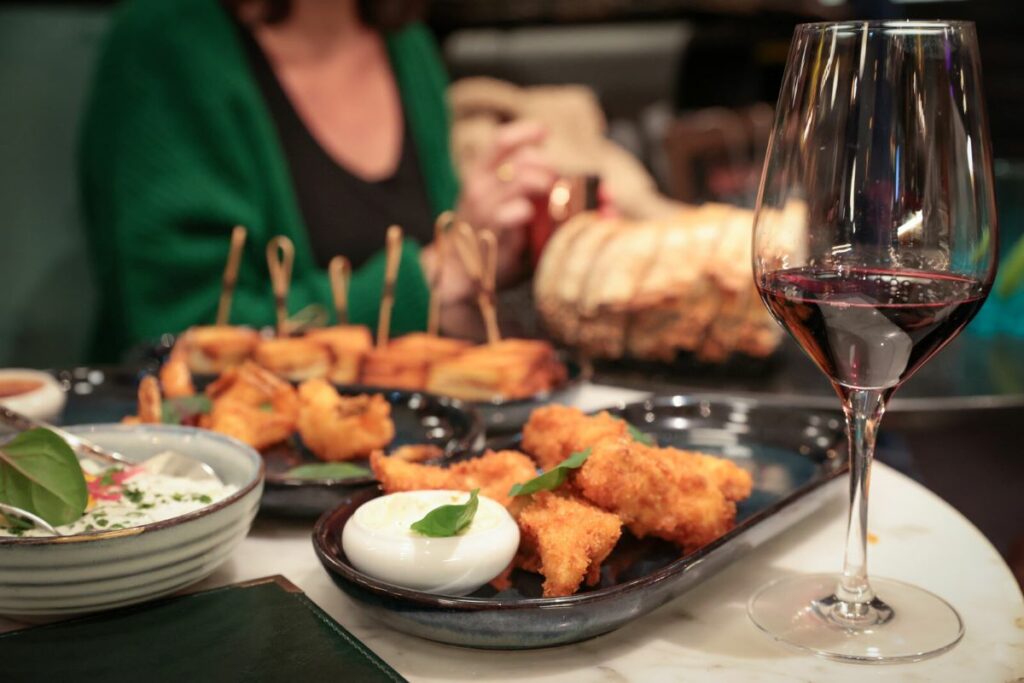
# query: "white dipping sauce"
134,497
379,542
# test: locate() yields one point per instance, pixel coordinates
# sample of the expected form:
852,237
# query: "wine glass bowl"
875,243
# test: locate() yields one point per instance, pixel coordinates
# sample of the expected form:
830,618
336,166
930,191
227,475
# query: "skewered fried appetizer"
405,362
212,349
494,473
253,405
512,368
565,539
293,358
395,369
339,427
429,346
348,344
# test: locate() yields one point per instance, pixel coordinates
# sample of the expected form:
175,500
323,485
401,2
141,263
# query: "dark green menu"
266,630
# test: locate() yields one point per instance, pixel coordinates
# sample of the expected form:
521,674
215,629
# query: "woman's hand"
498,192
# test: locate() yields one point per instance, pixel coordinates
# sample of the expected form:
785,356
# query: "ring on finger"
505,172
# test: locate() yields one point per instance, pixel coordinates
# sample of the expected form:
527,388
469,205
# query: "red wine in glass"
871,328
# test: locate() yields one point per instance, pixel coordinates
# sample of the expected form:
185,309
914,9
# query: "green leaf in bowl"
40,473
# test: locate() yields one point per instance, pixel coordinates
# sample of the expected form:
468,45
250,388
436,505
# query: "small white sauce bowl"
453,565
45,402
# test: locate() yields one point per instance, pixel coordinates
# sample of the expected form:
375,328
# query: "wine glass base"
905,624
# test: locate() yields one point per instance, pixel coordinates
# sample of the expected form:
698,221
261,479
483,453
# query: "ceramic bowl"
95,571
43,401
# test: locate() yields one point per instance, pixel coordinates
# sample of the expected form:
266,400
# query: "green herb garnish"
179,410
108,477
448,520
40,473
133,495
202,498
553,478
641,437
328,470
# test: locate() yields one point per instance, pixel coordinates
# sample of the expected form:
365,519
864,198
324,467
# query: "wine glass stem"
864,409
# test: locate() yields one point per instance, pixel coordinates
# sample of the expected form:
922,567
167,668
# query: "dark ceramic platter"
107,395
795,457
419,418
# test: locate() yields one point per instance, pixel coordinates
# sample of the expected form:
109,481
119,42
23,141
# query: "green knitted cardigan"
177,146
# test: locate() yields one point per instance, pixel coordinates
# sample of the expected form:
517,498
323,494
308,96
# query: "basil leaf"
553,478
40,473
641,437
448,520
176,411
328,470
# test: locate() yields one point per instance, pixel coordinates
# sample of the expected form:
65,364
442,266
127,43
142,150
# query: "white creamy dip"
119,499
378,541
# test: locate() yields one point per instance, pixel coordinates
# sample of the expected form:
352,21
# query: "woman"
322,120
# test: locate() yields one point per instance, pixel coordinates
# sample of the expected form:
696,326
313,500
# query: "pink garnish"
110,485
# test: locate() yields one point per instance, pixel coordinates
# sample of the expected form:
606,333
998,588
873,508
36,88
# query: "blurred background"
686,86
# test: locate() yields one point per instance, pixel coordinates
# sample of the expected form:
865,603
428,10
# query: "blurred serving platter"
419,418
794,456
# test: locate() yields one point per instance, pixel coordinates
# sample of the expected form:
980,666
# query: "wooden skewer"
340,272
480,257
387,300
227,289
280,258
468,247
441,226
486,296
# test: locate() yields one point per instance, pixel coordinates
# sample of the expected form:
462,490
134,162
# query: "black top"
343,213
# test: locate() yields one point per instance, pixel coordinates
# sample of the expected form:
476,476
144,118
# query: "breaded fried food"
395,369
656,492
348,344
554,432
336,427
565,539
150,403
734,481
175,377
419,452
293,358
494,473
253,405
214,348
510,368
429,346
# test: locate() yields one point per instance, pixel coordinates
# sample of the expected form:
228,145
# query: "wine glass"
874,244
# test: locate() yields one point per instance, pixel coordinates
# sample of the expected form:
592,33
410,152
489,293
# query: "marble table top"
705,635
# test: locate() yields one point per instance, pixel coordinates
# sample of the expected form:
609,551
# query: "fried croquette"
656,492
253,405
565,539
554,432
734,481
336,427
494,473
